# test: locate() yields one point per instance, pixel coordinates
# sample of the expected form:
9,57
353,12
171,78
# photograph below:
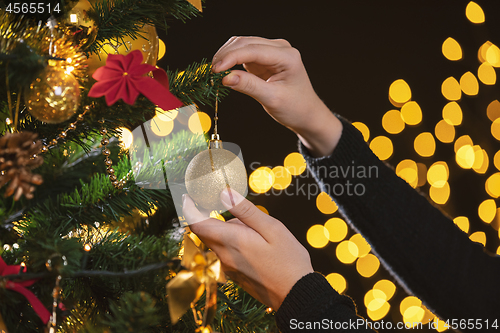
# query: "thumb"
249,84
246,212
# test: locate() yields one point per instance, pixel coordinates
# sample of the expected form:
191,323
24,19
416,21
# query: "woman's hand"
256,250
275,76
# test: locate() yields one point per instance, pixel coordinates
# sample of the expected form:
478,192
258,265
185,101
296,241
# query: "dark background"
353,50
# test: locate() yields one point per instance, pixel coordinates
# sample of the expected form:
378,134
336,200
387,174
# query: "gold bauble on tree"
54,96
79,27
210,172
147,43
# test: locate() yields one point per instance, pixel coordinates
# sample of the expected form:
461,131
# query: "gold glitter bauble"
210,172
54,96
147,43
79,27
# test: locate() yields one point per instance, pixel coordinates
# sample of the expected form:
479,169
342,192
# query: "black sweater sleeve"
421,247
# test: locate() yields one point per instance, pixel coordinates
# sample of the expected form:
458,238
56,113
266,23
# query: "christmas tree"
86,246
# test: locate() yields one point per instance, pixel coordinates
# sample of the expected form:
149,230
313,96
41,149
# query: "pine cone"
19,154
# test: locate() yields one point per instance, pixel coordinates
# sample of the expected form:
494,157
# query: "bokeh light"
444,131
487,210
424,144
379,310
464,140
493,110
347,252
465,157
325,204
440,195
337,229
496,160
161,127
408,302
166,115
262,208
363,247
451,49
413,315
368,265
474,13
295,163
492,185
161,49
478,237
411,113
441,325
408,170
438,174
481,53
451,89
365,131
463,223
399,92
126,137
493,55
337,281
392,122
282,177
317,236
199,122
382,147
486,73
495,129
261,180
387,287
481,160
469,84
452,114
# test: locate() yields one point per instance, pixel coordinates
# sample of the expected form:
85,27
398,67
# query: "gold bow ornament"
201,271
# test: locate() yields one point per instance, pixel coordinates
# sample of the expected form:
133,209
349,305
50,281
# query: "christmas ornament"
20,287
18,156
79,27
202,271
54,96
123,78
212,171
147,43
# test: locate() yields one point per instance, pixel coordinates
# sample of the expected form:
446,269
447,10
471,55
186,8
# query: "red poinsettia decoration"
123,77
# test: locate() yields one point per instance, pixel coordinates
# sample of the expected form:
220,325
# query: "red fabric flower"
20,287
123,78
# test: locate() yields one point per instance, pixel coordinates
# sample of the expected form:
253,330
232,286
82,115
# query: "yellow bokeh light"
465,157
375,294
216,215
478,237
408,302
317,236
463,223
87,247
481,53
282,177
161,49
399,92
261,180
469,84
365,131
408,170
337,229
325,204
392,122
451,49
413,315
363,247
347,252
126,137
492,185
411,113
486,73
498,250
295,163
368,265
493,110
481,160
495,129
444,132
474,13
422,174
441,325
464,140
487,210
496,160
199,122
451,89
440,195
382,147
262,208
452,113
160,127
381,312
424,144
337,281
493,55
166,115
438,174
387,287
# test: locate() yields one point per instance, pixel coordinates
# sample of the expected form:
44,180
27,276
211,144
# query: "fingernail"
231,80
214,68
230,198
